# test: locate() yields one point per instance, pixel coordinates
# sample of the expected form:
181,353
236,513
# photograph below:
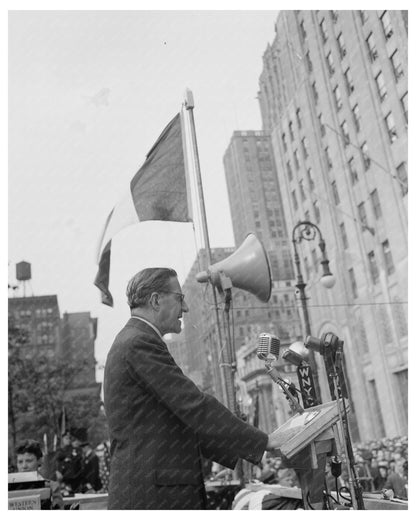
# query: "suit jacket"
160,424
91,472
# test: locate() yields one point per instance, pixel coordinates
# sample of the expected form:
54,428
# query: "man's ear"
154,300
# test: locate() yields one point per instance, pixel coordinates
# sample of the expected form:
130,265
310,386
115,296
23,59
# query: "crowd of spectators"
381,465
75,467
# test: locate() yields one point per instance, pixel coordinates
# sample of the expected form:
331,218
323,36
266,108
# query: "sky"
89,92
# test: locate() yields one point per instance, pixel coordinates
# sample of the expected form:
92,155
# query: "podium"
28,490
306,440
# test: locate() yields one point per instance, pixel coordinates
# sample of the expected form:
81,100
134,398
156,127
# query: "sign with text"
25,502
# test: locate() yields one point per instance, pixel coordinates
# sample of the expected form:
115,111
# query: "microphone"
268,351
268,346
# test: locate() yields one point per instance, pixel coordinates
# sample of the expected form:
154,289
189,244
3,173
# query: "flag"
158,191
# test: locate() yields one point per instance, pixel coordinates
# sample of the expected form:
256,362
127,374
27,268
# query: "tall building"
79,331
255,200
39,317
256,207
200,325
334,98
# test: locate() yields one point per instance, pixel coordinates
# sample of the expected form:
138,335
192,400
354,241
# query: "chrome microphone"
268,346
268,351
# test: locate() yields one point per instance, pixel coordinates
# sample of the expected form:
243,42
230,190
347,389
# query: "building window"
404,102
330,63
335,192
309,61
402,177
402,380
303,30
353,170
315,260
397,65
307,267
289,170
348,81
362,335
400,318
310,179
375,202
373,267
321,125
381,86
298,118
386,23
294,200
375,410
302,190
343,235
296,159
365,156
305,147
362,215
315,92
345,133
391,127
341,46
356,117
388,259
292,135
324,30
337,97
328,158
371,44
316,212
353,283
363,16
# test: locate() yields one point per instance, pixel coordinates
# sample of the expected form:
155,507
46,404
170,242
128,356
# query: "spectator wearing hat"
380,478
90,480
397,483
69,462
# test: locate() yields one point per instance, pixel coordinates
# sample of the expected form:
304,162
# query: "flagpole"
189,105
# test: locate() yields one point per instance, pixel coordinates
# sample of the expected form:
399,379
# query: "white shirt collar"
150,325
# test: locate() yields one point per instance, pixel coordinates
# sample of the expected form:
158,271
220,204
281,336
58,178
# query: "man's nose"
185,307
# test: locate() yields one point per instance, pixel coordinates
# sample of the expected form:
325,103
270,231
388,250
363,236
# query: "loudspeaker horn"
248,268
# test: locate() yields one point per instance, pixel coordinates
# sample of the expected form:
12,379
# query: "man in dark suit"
91,481
160,423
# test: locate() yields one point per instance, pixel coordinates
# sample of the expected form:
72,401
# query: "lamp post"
305,230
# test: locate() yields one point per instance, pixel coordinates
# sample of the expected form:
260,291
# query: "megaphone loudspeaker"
248,268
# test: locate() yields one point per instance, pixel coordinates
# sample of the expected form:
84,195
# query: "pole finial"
189,99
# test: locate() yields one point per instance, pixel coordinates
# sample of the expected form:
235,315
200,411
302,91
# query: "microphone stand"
271,370
356,490
231,363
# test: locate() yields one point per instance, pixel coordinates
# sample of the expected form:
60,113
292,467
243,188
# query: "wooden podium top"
88,501
303,428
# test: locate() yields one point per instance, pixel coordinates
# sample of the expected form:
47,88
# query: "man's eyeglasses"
182,296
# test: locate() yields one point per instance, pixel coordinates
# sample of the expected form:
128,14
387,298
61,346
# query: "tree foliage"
41,386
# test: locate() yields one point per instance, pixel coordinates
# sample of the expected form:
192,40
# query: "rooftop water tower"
23,274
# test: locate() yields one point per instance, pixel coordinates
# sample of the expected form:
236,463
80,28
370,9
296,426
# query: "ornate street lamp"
306,230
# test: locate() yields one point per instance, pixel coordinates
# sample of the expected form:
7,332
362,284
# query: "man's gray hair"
146,282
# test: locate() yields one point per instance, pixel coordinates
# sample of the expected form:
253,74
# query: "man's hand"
272,443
